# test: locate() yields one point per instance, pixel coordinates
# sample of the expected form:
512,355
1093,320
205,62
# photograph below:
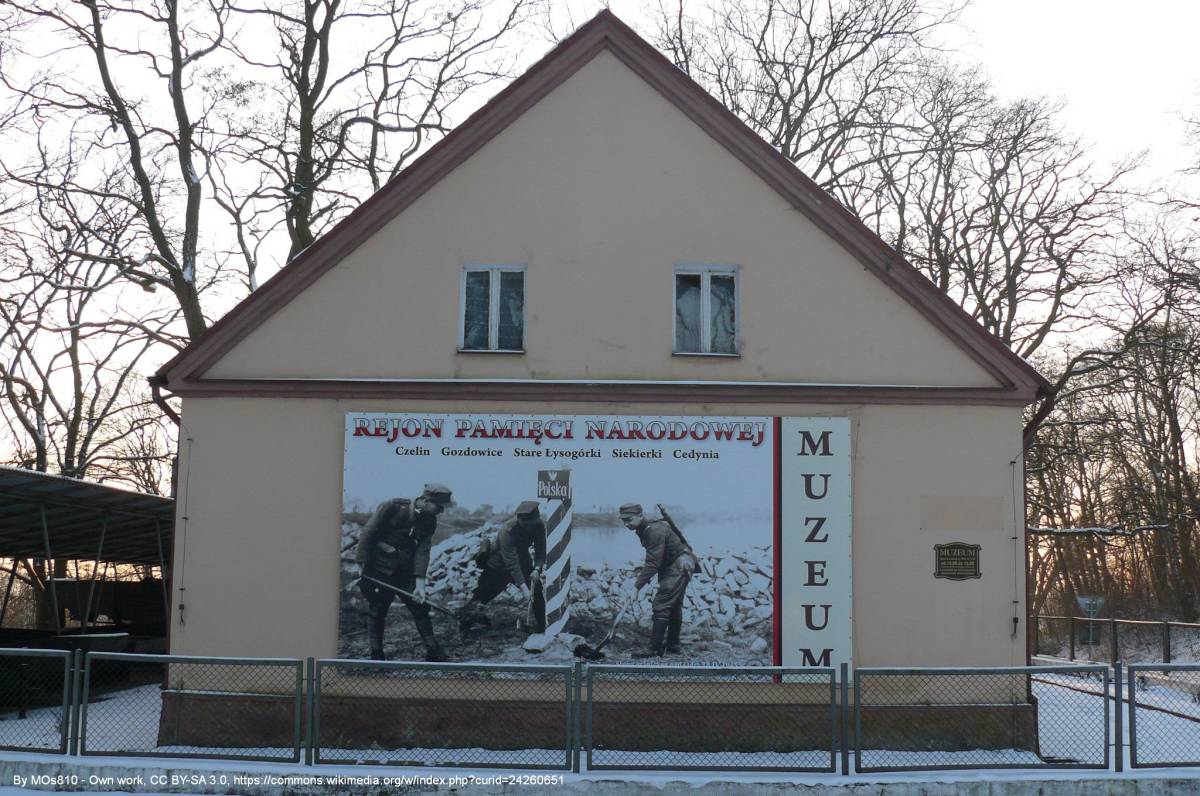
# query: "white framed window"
492,308
707,309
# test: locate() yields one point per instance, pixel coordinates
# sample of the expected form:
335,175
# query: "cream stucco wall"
601,189
256,562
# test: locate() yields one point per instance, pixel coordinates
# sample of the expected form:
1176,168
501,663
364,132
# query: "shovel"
411,596
590,653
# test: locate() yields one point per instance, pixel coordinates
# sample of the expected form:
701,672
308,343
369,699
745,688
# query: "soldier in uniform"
670,559
506,560
394,548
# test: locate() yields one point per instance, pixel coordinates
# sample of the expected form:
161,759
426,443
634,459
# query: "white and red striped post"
554,491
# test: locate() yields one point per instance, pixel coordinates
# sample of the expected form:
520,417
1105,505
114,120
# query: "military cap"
528,508
438,493
630,509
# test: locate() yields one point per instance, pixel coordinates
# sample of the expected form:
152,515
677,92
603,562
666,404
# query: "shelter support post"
87,611
12,574
50,571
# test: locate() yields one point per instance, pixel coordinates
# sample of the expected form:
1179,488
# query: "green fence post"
309,679
1114,650
75,703
577,716
845,714
1119,744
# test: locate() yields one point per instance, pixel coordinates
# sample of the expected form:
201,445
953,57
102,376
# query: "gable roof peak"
603,32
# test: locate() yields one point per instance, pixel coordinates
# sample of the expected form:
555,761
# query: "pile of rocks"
730,596
452,571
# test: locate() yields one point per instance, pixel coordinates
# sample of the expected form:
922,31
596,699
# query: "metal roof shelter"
53,517
49,516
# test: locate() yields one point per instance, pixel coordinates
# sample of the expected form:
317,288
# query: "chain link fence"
443,714
711,719
1164,715
620,717
35,700
1011,717
184,706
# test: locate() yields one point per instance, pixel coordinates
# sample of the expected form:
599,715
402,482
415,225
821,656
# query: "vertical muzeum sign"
816,595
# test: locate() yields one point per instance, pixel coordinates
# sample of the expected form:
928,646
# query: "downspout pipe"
156,385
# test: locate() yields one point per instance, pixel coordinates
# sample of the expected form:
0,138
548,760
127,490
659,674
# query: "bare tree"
1000,208
69,347
1117,449
129,104
343,101
285,113
813,77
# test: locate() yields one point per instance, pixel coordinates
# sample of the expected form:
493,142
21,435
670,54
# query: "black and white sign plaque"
956,561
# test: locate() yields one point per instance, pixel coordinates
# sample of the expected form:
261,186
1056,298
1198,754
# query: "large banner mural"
505,538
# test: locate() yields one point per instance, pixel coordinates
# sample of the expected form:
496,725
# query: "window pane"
512,310
475,311
724,323
687,313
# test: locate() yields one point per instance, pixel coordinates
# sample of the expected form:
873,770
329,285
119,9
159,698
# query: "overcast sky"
1127,70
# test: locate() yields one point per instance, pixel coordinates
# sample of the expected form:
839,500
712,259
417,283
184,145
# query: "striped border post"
554,490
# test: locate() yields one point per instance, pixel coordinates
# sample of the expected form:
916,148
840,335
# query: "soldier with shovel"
393,551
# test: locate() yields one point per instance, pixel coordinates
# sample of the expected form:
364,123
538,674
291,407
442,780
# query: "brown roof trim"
581,391
604,31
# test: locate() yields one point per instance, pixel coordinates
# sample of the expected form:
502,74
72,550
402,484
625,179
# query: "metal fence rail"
443,714
1164,715
981,718
187,706
1053,635
711,719
620,717
35,700
1109,639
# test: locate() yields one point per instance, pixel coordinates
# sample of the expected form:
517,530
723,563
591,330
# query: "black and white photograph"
506,538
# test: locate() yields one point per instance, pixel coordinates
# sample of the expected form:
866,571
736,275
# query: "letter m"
807,659
809,446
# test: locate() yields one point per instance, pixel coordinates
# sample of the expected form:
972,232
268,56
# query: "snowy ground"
121,722
1072,727
1070,710
1167,717
41,729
